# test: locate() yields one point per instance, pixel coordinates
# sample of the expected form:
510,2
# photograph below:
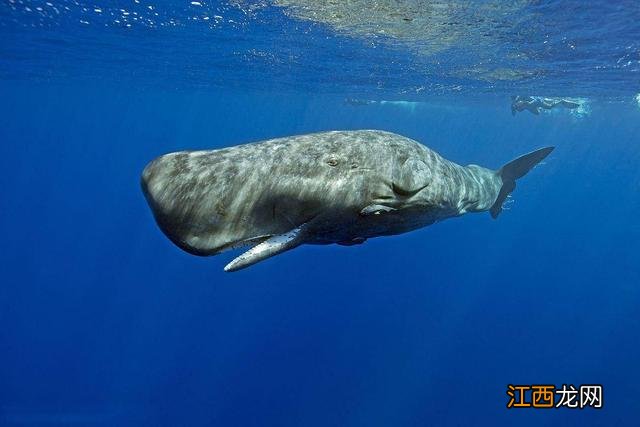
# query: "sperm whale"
340,187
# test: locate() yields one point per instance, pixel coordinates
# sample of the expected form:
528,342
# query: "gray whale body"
339,187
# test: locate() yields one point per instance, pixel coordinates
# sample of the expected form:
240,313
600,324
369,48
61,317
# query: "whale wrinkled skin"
332,187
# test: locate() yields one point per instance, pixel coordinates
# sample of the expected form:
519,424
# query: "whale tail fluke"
514,170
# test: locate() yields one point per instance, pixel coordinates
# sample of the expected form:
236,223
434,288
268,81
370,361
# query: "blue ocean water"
104,322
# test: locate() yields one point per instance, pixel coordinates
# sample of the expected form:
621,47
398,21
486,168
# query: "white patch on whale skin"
196,154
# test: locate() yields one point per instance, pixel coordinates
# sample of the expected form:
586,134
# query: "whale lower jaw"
272,246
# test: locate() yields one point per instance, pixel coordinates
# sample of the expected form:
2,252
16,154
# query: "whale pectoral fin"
272,246
376,210
410,178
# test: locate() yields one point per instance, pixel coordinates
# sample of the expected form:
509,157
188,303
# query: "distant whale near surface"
339,187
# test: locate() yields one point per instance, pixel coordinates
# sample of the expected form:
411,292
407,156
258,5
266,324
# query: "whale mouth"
239,244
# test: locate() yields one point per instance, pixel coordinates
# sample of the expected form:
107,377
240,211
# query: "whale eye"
332,161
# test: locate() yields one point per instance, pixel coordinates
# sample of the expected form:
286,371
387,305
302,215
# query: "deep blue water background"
104,322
